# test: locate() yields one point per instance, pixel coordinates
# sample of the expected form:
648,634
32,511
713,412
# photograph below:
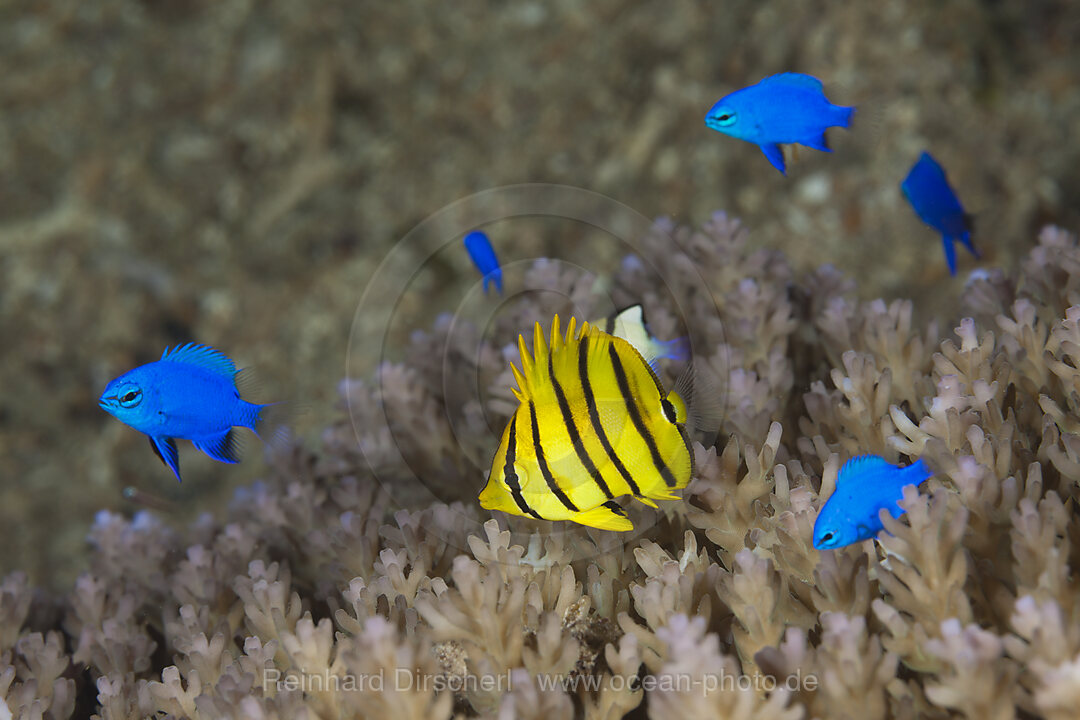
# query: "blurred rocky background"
232,173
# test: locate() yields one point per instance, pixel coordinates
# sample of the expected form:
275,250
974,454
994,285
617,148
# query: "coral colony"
313,599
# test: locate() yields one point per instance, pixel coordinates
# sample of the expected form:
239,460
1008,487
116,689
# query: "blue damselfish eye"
131,398
724,118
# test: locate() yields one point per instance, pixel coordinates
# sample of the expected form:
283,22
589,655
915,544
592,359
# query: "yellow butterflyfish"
594,424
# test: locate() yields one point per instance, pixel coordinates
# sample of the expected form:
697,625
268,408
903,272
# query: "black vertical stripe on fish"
594,416
542,462
609,324
669,410
637,420
510,475
575,436
615,508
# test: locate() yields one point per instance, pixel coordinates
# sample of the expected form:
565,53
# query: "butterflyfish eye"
131,398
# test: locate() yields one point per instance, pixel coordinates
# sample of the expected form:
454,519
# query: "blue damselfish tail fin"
272,422
844,115
494,277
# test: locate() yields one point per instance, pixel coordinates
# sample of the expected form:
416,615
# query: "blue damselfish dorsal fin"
799,80
859,467
203,356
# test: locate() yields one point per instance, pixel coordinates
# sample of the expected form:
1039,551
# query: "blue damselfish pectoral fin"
950,253
223,447
165,449
774,155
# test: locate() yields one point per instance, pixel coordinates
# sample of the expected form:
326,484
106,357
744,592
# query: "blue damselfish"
189,393
929,192
784,108
483,256
865,485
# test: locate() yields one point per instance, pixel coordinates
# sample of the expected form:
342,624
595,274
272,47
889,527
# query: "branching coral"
359,579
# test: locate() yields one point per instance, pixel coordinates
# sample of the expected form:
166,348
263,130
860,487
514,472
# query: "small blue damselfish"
929,192
784,108
865,485
483,256
189,393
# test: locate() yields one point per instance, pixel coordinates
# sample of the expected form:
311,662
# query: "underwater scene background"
289,182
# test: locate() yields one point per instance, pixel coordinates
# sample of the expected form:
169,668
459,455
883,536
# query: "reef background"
231,172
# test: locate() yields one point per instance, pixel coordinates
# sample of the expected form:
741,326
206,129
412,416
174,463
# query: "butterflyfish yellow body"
594,424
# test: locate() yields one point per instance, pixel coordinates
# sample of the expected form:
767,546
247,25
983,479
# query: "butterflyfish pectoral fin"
165,449
609,516
700,394
774,155
222,447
